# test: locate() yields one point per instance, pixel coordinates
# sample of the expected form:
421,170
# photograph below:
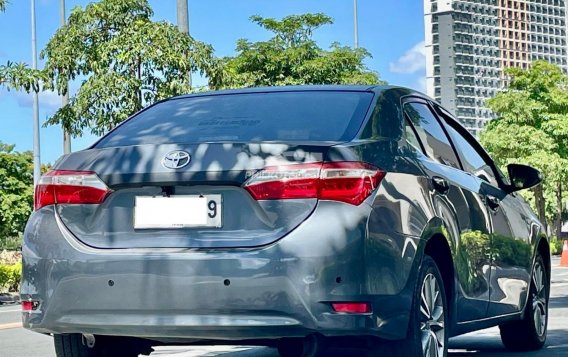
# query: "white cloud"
412,61
48,100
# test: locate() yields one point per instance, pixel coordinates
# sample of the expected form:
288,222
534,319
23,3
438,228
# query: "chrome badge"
176,159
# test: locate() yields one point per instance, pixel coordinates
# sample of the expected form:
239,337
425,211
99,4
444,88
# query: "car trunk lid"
216,173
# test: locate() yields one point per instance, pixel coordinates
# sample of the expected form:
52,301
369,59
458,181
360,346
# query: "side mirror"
523,176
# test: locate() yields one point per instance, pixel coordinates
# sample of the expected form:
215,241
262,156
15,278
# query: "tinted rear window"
274,116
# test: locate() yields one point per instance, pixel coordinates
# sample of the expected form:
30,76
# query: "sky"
391,30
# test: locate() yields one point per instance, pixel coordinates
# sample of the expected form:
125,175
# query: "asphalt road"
17,342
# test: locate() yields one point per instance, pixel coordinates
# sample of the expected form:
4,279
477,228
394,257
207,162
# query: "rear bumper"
280,290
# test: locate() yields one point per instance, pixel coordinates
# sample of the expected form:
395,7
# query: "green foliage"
532,129
510,252
473,252
20,76
478,249
292,57
16,190
124,60
555,246
10,275
11,243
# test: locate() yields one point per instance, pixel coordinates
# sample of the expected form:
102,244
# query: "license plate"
177,212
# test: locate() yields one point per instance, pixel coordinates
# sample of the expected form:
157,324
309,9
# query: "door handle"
440,184
492,202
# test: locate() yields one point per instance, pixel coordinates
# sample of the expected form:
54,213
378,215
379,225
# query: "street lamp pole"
35,106
65,97
183,23
355,24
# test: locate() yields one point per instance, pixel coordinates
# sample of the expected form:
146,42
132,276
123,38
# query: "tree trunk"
558,209
539,201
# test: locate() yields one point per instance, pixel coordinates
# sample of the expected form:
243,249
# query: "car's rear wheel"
310,346
427,334
530,333
76,345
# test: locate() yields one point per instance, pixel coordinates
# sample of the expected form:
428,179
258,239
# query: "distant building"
470,42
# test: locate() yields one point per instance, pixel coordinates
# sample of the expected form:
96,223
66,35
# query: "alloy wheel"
539,301
432,317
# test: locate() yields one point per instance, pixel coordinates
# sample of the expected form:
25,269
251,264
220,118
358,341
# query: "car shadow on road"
486,343
482,346
491,346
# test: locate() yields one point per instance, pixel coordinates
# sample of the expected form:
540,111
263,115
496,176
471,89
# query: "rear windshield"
274,116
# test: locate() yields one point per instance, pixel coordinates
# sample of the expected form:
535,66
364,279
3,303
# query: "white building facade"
470,42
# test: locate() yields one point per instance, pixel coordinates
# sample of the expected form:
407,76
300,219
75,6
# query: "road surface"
17,342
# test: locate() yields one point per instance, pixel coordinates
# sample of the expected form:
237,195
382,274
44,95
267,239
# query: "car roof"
303,88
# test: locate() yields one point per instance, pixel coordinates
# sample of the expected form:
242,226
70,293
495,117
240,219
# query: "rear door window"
248,117
431,134
472,160
410,135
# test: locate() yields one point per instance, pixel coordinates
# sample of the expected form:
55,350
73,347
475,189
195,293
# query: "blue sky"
392,31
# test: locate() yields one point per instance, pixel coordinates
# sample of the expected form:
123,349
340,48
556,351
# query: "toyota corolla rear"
230,215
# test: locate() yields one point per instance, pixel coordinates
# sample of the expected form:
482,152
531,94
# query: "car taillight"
350,182
69,187
29,305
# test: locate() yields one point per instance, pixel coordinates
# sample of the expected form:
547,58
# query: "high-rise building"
470,42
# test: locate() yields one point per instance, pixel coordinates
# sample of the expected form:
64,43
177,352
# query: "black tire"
75,345
71,346
529,334
427,320
310,346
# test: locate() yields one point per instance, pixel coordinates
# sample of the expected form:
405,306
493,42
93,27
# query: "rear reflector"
69,187
29,305
350,182
352,307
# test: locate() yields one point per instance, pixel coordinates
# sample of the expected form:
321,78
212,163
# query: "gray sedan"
293,217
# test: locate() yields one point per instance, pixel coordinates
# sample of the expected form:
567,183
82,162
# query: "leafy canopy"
532,127
292,57
16,190
124,60
18,75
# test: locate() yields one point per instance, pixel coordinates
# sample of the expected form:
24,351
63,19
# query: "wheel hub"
539,305
432,317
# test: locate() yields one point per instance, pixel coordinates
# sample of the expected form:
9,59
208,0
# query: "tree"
291,56
124,60
18,75
16,190
532,128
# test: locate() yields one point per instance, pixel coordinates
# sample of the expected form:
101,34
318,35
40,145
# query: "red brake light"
29,305
352,307
69,187
350,182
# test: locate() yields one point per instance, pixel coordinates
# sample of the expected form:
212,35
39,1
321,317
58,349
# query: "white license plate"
177,212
